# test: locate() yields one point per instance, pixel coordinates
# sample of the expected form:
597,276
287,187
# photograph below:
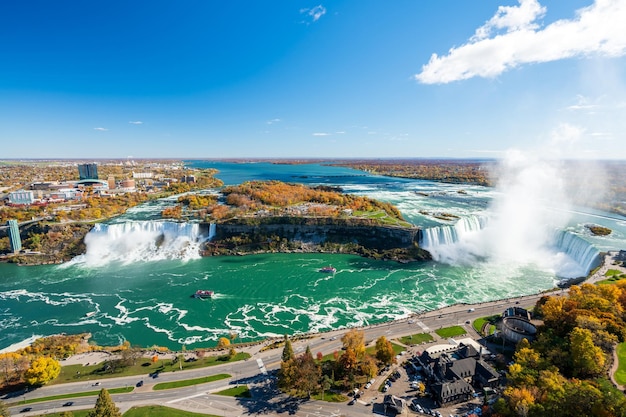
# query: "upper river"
128,288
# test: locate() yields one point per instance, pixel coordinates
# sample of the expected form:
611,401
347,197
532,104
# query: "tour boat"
328,269
203,294
89,314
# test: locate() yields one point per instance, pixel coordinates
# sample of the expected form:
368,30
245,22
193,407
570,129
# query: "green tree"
384,350
105,407
66,414
287,350
42,370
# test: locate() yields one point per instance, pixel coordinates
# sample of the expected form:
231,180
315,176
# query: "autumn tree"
368,366
355,341
105,407
300,376
587,358
42,370
223,343
347,364
384,350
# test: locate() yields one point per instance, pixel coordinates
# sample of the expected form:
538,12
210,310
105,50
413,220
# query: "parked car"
140,383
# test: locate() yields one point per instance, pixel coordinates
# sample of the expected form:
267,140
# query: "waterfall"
476,239
211,231
135,241
449,234
583,253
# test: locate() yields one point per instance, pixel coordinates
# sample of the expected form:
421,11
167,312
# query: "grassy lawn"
75,413
78,394
614,276
147,411
331,397
241,391
620,374
416,339
452,331
160,411
188,382
480,322
75,373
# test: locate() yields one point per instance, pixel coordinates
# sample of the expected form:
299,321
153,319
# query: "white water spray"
141,241
524,220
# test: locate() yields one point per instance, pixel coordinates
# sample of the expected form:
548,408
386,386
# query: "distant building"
15,240
127,184
188,178
111,181
142,175
88,171
21,197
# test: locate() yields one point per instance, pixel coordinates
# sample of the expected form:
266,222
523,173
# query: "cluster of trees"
458,172
563,373
16,369
258,195
305,375
195,203
37,364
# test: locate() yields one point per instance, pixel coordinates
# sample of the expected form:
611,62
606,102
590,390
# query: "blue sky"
311,79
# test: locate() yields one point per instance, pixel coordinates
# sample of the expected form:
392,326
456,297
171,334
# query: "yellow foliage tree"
223,343
355,340
42,370
520,400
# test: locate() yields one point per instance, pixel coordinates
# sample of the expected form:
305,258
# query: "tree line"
563,372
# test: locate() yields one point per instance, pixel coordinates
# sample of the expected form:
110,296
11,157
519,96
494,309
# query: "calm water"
141,297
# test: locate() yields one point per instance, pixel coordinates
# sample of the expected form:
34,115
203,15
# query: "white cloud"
100,129
598,29
583,103
566,134
136,122
271,122
314,13
321,134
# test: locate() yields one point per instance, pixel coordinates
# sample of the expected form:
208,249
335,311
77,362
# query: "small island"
598,230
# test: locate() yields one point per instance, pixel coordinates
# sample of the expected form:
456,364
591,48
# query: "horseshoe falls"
467,241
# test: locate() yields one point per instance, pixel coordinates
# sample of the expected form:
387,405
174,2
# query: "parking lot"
403,381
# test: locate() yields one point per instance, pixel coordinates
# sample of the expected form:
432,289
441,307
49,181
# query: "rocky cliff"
359,236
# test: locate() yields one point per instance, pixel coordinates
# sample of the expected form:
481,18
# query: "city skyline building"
88,171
